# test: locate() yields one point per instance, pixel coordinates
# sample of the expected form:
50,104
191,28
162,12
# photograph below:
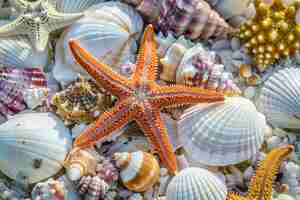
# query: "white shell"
18,52
280,98
109,31
71,6
222,133
196,184
33,146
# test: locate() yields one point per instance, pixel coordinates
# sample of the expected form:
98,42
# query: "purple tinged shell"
13,82
93,188
107,171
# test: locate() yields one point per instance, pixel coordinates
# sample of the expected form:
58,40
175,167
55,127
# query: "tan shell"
139,170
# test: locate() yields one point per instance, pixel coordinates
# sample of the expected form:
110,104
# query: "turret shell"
33,146
139,170
196,184
222,133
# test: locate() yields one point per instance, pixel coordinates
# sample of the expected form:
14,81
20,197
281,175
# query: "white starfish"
37,20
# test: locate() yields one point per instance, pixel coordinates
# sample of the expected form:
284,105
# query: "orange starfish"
260,187
140,98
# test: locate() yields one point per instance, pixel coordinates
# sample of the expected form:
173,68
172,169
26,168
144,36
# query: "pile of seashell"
76,76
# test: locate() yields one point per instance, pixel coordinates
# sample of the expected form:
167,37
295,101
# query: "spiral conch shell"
192,18
273,32
139,170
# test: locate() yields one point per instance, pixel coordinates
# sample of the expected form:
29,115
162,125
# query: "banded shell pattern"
35,144
13,83
114,25
196,184
139,170
279,98
71,6
222,134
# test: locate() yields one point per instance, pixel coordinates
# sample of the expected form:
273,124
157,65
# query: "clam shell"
109,31
280,98
71,6
222,133
139,170
196,184
17,52
13,85
33,146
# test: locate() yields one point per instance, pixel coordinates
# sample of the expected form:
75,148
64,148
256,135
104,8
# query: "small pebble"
221,44
235,44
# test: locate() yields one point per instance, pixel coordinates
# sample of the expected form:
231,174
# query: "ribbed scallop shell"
33,146
71,6
109,31
222,133
13,84
196,184
139,170
17,52
280,98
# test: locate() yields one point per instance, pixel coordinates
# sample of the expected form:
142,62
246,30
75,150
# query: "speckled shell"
33,146
71,6
17,52
93,188
13,84
196,184
109,31
280,98
222,134
193,18
139,170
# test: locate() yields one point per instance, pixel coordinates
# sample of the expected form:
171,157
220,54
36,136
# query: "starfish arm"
261,183
38,36
15,27
147,60
153,127
56,20
165,96
103,74
108,122
22,5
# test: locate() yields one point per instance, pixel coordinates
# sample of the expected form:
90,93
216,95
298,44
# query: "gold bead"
261,56
261,49
278,16
283,26
248,45
281,46
297,30
297,45
273,35
254,51
286,52
266,23
291,37
253,41
290,12
268,55
276,55
260,38
270,48
248,33
262,9
255,28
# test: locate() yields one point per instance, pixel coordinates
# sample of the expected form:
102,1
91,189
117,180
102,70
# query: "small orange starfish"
260,187
140,98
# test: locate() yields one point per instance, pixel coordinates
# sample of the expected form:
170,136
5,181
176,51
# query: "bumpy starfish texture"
140,98
260,187
37,20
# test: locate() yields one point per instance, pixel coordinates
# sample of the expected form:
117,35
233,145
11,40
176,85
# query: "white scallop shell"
18,52
196,184
109,31
222,133
71,6
280,98
33,146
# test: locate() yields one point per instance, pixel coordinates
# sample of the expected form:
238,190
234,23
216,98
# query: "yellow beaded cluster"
273,32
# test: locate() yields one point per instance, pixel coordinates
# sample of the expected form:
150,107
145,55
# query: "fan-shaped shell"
109,31
17,52
222,133
14,83
280,98
33,146
71,6
139,170
196,184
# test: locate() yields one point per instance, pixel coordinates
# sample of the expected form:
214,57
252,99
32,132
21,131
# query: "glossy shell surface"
222,134
33,146
196,184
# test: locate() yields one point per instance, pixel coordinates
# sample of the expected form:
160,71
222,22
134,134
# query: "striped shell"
33,146
222,133
93,188
196,184
191,64
280,98
13,84
139,170
17,52
109,31
71,6
193,18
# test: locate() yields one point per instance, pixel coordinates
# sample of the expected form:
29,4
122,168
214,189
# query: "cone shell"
196,184
222,134
139,170
33,146
114,25
13,84
280,98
